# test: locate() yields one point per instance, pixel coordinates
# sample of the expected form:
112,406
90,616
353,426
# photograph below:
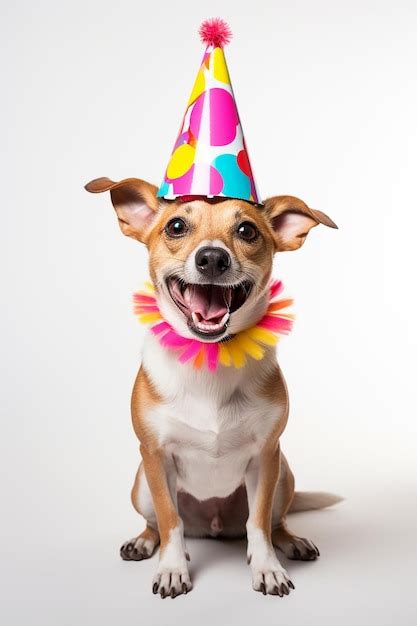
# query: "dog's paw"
171,582
297,548
275,582
268,575
141,547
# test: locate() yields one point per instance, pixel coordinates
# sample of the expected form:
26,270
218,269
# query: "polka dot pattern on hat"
210,156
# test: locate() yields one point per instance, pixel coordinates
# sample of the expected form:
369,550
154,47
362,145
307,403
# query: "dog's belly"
215,517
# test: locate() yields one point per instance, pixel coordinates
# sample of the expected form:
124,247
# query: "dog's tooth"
187,296
224,319
208,326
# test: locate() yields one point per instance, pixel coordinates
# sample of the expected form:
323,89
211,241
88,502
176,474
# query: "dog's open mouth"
207,307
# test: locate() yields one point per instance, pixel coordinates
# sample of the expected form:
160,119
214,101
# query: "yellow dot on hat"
181,161
220,71
199,87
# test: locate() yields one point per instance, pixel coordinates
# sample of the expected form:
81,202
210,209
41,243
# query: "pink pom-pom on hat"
215,32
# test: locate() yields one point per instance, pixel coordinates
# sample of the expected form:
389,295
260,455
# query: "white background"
327,96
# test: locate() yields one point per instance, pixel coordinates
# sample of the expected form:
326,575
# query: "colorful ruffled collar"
233,352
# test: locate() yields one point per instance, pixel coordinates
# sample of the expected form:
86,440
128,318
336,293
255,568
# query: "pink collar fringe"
233,352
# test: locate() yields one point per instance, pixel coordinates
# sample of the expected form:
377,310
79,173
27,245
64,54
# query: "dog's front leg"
172,577
261,480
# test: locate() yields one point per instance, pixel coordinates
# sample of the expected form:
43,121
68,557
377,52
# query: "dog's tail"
310,500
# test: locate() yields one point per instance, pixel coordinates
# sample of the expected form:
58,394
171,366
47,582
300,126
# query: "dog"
210,441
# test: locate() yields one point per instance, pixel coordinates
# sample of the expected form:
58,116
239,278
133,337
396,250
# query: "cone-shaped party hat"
210,158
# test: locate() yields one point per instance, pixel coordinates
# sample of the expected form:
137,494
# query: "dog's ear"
291,220
135,203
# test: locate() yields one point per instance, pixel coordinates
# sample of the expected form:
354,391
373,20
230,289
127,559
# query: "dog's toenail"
290,584
155,588
162,592
184,588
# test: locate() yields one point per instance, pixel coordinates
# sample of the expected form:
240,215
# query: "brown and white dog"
210,442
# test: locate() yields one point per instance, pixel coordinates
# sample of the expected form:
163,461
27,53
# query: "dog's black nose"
212,262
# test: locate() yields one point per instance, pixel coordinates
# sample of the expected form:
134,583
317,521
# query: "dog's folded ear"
135,203
291,220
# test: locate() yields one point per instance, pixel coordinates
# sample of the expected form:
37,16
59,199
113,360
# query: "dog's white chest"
212,424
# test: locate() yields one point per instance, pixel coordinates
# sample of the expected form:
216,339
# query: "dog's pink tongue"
210,302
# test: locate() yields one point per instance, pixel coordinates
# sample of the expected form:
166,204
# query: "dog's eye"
247,231
176,227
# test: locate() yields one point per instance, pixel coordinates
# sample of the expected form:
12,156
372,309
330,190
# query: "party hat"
210,158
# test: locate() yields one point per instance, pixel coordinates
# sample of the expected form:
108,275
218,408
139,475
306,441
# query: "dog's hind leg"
142,546
297,548
292,546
